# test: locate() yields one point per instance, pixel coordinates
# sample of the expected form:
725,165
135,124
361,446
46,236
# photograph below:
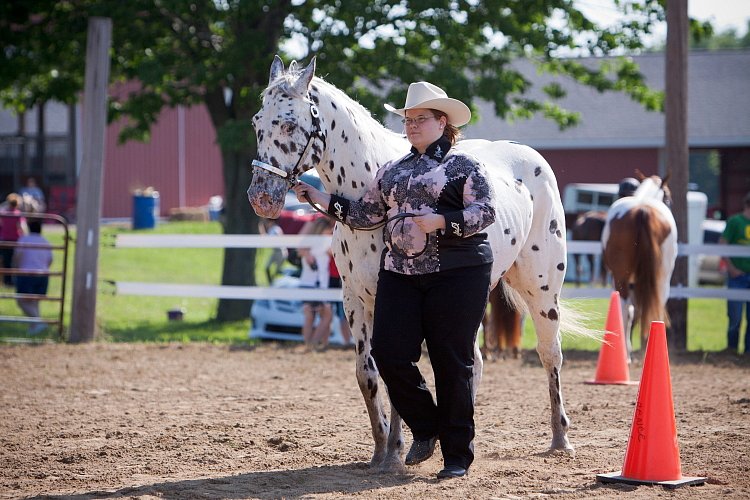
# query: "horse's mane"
286,80
649,189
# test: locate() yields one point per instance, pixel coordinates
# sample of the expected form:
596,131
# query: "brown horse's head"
289,137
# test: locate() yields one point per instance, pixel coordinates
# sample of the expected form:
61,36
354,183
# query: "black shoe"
420,451
451,471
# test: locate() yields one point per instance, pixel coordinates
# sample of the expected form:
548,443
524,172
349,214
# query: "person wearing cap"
627,187
434,279
737,232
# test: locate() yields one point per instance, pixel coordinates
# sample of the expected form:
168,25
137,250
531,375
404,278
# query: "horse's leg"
592,268
387,436
541,295
477,371
492,325
627,310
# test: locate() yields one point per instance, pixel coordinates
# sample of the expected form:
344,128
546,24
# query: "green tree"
727,39
217,53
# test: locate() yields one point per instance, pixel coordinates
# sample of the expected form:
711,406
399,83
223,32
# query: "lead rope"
388,232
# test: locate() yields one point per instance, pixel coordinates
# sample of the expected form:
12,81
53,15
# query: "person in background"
35,192
737,232
315,262
278,255
38,258
627,187
11,229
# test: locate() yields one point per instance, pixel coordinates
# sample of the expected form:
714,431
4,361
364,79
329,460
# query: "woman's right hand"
316,196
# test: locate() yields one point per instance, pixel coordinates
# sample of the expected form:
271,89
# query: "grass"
707,324
127,318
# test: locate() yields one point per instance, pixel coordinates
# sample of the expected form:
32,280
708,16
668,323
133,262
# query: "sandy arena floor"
205,421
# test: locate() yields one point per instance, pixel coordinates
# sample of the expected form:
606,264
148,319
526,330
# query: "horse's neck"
358,144
649,190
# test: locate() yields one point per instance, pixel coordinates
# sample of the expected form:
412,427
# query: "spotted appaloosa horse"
639,244
305,122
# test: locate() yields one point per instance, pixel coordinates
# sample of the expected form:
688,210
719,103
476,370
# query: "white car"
280,319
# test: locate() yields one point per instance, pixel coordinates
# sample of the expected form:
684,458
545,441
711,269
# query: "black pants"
445,310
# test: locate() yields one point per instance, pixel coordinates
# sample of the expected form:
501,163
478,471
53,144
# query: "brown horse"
640,247
502,327
588,226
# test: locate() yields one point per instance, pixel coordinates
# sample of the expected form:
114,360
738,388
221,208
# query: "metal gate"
56,321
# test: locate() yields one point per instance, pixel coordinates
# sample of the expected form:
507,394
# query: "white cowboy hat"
427,95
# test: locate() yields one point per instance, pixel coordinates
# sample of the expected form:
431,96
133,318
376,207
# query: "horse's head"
654,187
290,137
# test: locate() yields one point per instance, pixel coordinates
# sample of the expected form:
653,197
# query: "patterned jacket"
454,184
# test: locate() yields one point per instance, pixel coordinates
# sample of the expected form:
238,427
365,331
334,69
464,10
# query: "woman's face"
422,127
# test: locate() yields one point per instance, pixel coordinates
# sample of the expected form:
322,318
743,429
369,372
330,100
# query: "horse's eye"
288,127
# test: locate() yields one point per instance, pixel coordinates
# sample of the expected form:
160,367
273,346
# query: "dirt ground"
208,421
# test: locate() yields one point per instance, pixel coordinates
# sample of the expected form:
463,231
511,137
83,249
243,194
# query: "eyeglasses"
418,121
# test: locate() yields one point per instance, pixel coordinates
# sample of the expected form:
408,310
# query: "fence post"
88,211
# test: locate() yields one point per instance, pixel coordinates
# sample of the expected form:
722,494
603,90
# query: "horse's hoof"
377,460
392,465
562,446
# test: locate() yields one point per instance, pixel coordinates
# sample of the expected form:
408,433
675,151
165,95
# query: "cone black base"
616,477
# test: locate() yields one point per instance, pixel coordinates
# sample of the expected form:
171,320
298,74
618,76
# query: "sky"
723,14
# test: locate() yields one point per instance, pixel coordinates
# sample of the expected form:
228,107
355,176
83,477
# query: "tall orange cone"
653,455
612,367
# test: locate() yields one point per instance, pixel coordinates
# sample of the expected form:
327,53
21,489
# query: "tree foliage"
217,53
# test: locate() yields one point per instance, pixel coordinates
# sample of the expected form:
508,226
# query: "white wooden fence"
304,241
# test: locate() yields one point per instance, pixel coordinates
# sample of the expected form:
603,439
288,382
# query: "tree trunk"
238,217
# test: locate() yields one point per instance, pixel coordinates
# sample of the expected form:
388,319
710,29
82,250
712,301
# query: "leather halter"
291,177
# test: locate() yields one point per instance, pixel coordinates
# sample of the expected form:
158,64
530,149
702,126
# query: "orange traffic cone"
653,455
612,367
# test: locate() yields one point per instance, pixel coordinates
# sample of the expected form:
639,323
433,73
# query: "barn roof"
718,108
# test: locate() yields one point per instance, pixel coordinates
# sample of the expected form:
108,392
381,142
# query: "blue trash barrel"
145,210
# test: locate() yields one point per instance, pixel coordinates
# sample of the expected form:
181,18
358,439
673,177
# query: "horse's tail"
648,270
572,320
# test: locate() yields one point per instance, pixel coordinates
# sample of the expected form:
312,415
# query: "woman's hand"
430,222
316,196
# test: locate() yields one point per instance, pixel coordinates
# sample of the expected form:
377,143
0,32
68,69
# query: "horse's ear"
303,82
639,175
665,179
277,67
